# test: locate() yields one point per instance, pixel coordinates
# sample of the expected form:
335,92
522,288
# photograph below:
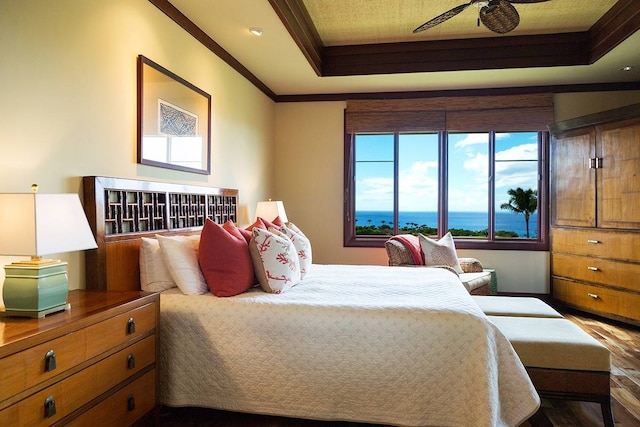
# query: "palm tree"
522,201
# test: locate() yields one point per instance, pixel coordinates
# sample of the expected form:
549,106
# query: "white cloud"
472,139
418,188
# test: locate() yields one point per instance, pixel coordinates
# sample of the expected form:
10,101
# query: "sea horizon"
474,221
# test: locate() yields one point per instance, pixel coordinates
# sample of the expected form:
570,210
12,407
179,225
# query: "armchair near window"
404,250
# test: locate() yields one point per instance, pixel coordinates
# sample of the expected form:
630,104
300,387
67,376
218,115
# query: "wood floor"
623,341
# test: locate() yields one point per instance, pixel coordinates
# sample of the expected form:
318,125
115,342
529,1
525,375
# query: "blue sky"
468,170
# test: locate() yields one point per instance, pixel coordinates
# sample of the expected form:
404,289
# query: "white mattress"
389,345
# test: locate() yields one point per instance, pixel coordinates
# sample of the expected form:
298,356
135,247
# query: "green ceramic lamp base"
35,290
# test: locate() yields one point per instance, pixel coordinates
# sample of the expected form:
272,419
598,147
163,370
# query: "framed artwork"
174,120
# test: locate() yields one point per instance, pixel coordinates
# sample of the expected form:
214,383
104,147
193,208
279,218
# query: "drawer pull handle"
49,407
131,326
595,242
131,403
131,361
49,361
594,296
593,268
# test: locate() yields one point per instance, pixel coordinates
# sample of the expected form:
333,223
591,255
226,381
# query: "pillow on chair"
440,252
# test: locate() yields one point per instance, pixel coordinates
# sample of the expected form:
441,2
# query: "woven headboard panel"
121,211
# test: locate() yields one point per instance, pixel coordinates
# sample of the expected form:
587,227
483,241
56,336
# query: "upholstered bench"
515,306
562,360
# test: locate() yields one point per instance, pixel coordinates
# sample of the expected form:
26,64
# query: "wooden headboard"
121,211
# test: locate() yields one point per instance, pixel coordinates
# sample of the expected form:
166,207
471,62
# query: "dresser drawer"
26,369
82,387
124,407
597,270
597,299
600,243
109,333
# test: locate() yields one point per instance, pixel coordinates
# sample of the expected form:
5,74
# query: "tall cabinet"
595,213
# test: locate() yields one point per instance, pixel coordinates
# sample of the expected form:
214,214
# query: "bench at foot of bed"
562,360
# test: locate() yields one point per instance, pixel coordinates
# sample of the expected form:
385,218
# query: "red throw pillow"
246,232
225,260
276,223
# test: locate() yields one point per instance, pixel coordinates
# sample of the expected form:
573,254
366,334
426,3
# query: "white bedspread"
388,345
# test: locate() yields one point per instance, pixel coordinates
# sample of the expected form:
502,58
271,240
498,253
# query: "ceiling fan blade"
441,18
526,1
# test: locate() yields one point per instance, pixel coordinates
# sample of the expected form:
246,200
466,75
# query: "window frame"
541,243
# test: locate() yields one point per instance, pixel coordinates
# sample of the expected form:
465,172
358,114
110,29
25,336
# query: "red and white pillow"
302,246
275,260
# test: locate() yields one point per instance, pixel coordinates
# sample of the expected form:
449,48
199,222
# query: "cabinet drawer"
107,334
608,244
597,299
124,407
23,370
596,270
82,387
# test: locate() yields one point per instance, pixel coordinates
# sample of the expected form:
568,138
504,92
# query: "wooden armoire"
595,213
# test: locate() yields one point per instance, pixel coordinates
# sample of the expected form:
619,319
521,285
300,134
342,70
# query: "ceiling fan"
498,16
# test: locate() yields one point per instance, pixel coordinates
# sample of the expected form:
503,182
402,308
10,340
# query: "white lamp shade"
42,224
271,209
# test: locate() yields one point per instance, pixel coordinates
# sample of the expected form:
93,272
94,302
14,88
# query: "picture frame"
174,120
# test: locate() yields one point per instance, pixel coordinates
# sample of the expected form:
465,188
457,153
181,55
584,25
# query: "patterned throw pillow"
275,261
302,245
440,252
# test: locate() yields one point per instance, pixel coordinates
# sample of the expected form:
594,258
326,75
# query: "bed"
374,344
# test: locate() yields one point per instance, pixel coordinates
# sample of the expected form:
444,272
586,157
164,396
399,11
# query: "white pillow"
440,252
180,254
275,261
154,276
302,245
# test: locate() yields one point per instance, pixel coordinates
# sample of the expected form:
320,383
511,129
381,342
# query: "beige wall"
572,105
309,179
68,101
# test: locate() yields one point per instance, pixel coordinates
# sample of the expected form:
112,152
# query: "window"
487,188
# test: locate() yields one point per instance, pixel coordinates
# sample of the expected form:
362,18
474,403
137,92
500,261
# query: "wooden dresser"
595,213
92,365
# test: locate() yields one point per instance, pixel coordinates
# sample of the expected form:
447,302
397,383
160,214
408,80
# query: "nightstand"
92,365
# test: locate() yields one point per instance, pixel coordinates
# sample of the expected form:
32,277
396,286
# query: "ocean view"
475,221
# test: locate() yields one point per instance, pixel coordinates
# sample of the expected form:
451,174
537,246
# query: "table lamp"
271,209
36,225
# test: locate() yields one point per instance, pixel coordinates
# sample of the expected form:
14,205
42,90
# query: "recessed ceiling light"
626,68
256,31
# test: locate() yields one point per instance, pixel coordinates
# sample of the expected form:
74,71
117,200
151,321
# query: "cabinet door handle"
49,407
131,326
595,242
593,268
49,361
599,163
591,163
594,296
